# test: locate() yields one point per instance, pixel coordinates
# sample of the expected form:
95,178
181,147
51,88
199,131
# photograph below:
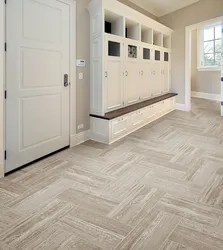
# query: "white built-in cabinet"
131,79
130,59
130,56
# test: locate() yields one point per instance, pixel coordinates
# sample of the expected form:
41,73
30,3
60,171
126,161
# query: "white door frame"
188,35
72,5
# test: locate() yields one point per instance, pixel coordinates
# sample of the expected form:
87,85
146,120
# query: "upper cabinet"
130,56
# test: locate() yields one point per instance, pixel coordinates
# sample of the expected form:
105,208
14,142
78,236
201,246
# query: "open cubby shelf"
132,30
114,23
146,35
157,38
166,41
124,27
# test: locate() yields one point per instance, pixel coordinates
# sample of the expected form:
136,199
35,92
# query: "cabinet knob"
106,74
126,73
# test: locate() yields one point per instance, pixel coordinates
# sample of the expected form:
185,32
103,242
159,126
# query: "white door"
37,58
113,73
131,73
145,81
156,75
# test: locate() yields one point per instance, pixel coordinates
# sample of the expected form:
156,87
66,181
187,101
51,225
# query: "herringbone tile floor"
160,188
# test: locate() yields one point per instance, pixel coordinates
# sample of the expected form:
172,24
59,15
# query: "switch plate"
80,126
81,76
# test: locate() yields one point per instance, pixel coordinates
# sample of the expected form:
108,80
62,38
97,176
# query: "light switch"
81,76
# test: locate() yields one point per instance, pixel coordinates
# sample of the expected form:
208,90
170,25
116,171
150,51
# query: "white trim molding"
2,172
79,138
188,31
2,87
181,106
208,96
209,68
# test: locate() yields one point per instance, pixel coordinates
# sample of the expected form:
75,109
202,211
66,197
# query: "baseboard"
2,170
79,138
180,106
208,96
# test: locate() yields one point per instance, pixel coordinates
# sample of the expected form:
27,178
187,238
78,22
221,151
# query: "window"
210,48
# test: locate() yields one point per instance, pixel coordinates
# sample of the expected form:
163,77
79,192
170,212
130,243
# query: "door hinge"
5,94
5,155
5,46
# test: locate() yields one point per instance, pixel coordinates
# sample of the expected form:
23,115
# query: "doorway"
37,80
192,32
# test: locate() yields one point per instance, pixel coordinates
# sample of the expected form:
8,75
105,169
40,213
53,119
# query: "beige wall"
139,9
198,12
83,52
203,81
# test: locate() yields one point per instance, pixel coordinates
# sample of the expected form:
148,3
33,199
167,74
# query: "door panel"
37,105
165,75
32,116
120,126
131,82
156,72
145,83
45,75
113,73
114,85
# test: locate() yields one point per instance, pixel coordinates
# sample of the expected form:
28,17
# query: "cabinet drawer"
120,126
172,103
149,113
137,119
169,104
159,108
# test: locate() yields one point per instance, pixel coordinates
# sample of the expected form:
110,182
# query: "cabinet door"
166,77
131,72
156,75
137,119
145,81
120,127
113,74
131,82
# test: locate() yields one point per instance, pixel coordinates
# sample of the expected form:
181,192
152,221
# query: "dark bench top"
123,111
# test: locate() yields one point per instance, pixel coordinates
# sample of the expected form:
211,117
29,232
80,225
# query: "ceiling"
162,7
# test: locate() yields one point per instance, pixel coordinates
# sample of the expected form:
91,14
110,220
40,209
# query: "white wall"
178,20
203,81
